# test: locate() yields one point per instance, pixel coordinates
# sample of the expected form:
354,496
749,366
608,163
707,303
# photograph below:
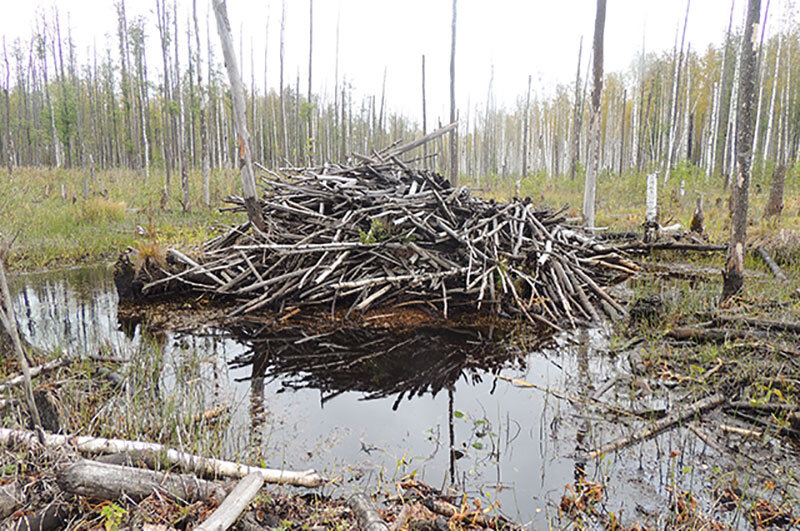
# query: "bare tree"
424,113
734,269
454,132
9,138
237,93
203,102
593,160
576,119
310,106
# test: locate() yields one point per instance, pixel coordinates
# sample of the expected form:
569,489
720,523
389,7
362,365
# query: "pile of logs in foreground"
380,233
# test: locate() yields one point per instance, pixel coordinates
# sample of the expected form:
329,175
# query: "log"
112,482
659,426
369,519
712,335
54,516
776,270
470,517
233,505
35,371
11,498
189,462
761,324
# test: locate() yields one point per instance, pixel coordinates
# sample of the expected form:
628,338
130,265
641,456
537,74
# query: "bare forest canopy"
111,108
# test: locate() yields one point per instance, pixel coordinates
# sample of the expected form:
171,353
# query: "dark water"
371,406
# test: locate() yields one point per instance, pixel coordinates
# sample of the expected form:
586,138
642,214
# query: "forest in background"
114,110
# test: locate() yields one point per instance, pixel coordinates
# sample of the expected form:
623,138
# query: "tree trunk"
424,115
775,202
251,201
9,138
284,136
454,132
734,269
112,482
525,131
576,119
166,145
592,166
310,130
203,106
181,137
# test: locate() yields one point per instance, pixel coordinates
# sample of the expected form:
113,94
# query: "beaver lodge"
381,233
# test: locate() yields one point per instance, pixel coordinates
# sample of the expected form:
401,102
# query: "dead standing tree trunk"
454,132
237,92
593,159
733,274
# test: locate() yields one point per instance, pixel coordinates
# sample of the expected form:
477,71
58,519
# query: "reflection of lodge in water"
379,362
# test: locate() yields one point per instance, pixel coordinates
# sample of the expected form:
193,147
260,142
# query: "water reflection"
377,362
368,405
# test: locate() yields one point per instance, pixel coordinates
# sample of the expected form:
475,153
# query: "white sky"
537,37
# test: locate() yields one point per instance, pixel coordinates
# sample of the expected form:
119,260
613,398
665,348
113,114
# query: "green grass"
123,210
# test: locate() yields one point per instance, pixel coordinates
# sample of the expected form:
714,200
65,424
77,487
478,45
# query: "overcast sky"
518,38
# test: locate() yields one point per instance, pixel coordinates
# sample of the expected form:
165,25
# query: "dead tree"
206,163
593,160
454,132
576,119
237,92
734,268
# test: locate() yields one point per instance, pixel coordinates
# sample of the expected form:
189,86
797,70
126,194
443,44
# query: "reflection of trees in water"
376,361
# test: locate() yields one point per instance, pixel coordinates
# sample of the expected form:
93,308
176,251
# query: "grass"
620,198
123,210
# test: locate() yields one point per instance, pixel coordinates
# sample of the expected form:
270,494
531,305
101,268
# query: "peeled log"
234,505
194,463
112,482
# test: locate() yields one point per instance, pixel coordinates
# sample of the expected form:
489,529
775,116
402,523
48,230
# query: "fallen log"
776,270
670,246
369,519
712,335
35,371
469,517
659,426
52,517
112,482
234,505
762,324
193,463
11,497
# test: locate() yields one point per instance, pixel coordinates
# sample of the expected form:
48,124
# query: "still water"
371,406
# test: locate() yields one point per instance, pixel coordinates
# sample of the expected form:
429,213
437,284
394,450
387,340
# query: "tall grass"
55,226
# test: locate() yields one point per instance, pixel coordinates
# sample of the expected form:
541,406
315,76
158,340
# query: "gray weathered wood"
234,504
112,482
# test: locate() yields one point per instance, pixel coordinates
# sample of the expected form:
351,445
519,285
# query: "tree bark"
251,201
775,202
593,162
734,269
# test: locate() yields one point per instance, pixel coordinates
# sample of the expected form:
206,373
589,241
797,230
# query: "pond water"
369,406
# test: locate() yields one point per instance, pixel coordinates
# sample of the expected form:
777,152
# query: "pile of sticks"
380,233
